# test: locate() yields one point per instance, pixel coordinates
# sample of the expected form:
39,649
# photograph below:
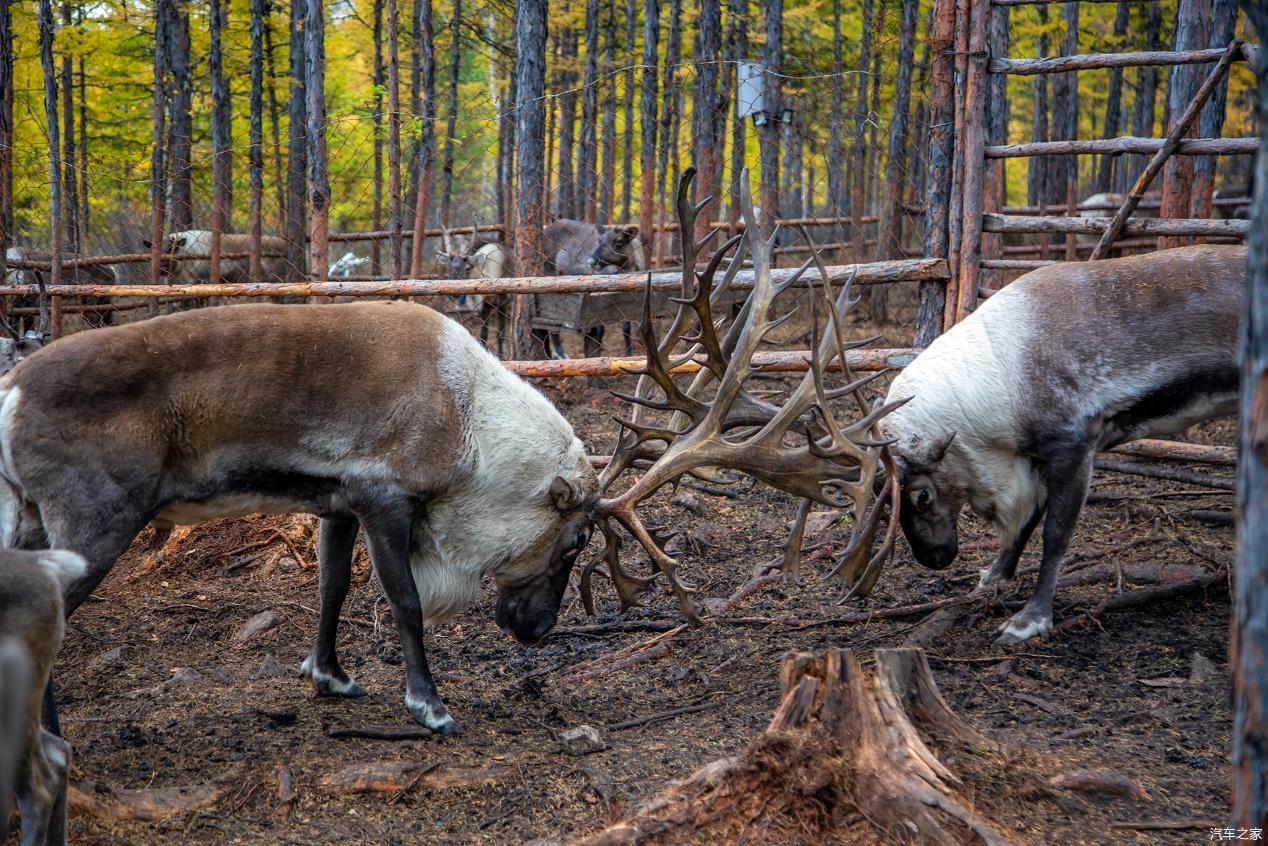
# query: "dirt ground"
158,689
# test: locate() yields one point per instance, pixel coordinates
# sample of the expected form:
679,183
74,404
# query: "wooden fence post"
933,295
1249,656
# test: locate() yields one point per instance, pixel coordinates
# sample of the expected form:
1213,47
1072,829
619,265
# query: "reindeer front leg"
1067,473
387,527
1012,543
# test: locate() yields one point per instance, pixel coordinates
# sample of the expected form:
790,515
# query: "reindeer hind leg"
336,539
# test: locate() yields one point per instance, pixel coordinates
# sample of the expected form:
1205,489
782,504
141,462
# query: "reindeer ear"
936,448
565,493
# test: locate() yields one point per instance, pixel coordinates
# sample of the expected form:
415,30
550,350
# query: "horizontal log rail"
873,273
1102,206
406,234
785,361
1018,224
1125,144
1046,2
1092,61
1125,244
122,258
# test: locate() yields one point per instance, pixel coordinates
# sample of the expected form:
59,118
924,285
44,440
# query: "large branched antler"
713,424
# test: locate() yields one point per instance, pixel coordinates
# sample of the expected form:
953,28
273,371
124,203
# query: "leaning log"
875,273
1096,225
843,741
1125,144
1177,451
1091,61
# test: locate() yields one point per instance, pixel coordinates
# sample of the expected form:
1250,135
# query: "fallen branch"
286,796
661,716
148,805
408,776
382,733
1170,474
1165,825
1132,599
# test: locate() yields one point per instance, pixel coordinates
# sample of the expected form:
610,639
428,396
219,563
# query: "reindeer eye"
922,499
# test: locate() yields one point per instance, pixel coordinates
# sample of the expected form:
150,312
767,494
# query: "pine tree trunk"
648,111
1192,17
297,147
69,155
566,196
1114,102
586,153
6,134
668,124
705,125
1211,123
872,171
1144,106
83,151
608,177
275,123
1037,168
919,136
46,27
837,201
380,82
424,71
221,140
627,137
180,119
158,132
318,175
451,115
530,82
938,157
395,215
1250,589
256,151
772,60
739,134
858,152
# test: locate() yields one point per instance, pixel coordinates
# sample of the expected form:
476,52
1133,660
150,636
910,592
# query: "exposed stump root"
846,745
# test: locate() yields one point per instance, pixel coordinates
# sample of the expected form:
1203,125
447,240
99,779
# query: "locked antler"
800,446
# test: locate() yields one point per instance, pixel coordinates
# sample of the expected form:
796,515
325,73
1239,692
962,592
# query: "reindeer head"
616,248
802,445
930,504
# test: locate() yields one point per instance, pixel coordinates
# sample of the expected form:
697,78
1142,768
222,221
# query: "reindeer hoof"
1024,625
432,714
338,683
989,576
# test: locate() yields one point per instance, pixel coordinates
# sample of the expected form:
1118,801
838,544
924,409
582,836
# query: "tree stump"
844,743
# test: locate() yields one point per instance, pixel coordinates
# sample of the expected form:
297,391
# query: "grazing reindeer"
31,628
487,260
387,417
574,248
1009,407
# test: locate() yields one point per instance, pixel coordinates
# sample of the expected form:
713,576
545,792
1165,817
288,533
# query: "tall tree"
772,61
255,165
424,95
530,82
451,116
1249,646
1037,168
668,121
83,151
54,159
1211,123
275,123
221,141
1114,102
318,173
297,146
627,141
705,136
858,152
1192,18
379,81
587,175
70,156
566,196
1145,104
395,216
6,133
1062,170
647,107
836,137
158,132
738,40
180,119
608,135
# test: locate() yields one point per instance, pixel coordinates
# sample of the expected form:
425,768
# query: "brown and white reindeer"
480,258
1008,409
33,762
383,417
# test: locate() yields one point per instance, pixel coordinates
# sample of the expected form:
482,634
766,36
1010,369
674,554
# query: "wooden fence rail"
873,273
1019,224
1092,61
1125,144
